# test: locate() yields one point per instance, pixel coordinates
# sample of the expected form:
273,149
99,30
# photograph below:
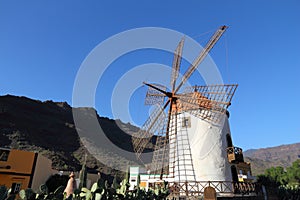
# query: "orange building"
22,169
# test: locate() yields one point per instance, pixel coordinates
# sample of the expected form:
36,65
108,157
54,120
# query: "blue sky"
43,43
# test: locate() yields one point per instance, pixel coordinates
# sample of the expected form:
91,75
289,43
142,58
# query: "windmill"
189,127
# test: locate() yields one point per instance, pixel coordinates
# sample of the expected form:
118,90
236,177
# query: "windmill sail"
176,64
154,96
153,124
207,102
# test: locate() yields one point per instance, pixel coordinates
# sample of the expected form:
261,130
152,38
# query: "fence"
196,188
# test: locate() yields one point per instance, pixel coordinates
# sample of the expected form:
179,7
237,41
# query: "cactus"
27,194
123,188
83,174
162,191
43,189
106,185
3,192
100,190
43,192
115,183
82,177
85,194
165,189
127,173
94,187
59,193
75,195
97,196
97,191
11,197
101,183
114,188
138,182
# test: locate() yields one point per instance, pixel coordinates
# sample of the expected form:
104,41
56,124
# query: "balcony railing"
235,154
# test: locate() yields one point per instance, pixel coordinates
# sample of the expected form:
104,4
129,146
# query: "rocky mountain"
48,127
264,158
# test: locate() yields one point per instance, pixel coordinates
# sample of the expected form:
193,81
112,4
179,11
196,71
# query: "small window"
234,174
186,122
248,173
229,141
4,154
15,188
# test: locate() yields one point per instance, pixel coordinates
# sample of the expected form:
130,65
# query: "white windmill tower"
193,134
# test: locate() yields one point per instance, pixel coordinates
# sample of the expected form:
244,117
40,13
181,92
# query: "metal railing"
196,188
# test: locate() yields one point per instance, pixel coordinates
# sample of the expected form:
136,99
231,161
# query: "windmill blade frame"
214,39
176,64
150,127
154,96
207,102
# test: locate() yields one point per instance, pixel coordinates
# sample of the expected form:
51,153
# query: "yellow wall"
8,180
19,168
16,169
20,161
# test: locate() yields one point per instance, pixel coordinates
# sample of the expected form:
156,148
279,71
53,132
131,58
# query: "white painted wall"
134,173
208,147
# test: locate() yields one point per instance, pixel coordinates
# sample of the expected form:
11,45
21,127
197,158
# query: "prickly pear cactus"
85,194
124,187
59,192
27,194
97,190
43,189
94,187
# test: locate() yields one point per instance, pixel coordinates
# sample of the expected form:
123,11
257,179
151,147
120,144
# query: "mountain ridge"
48,128
263,158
